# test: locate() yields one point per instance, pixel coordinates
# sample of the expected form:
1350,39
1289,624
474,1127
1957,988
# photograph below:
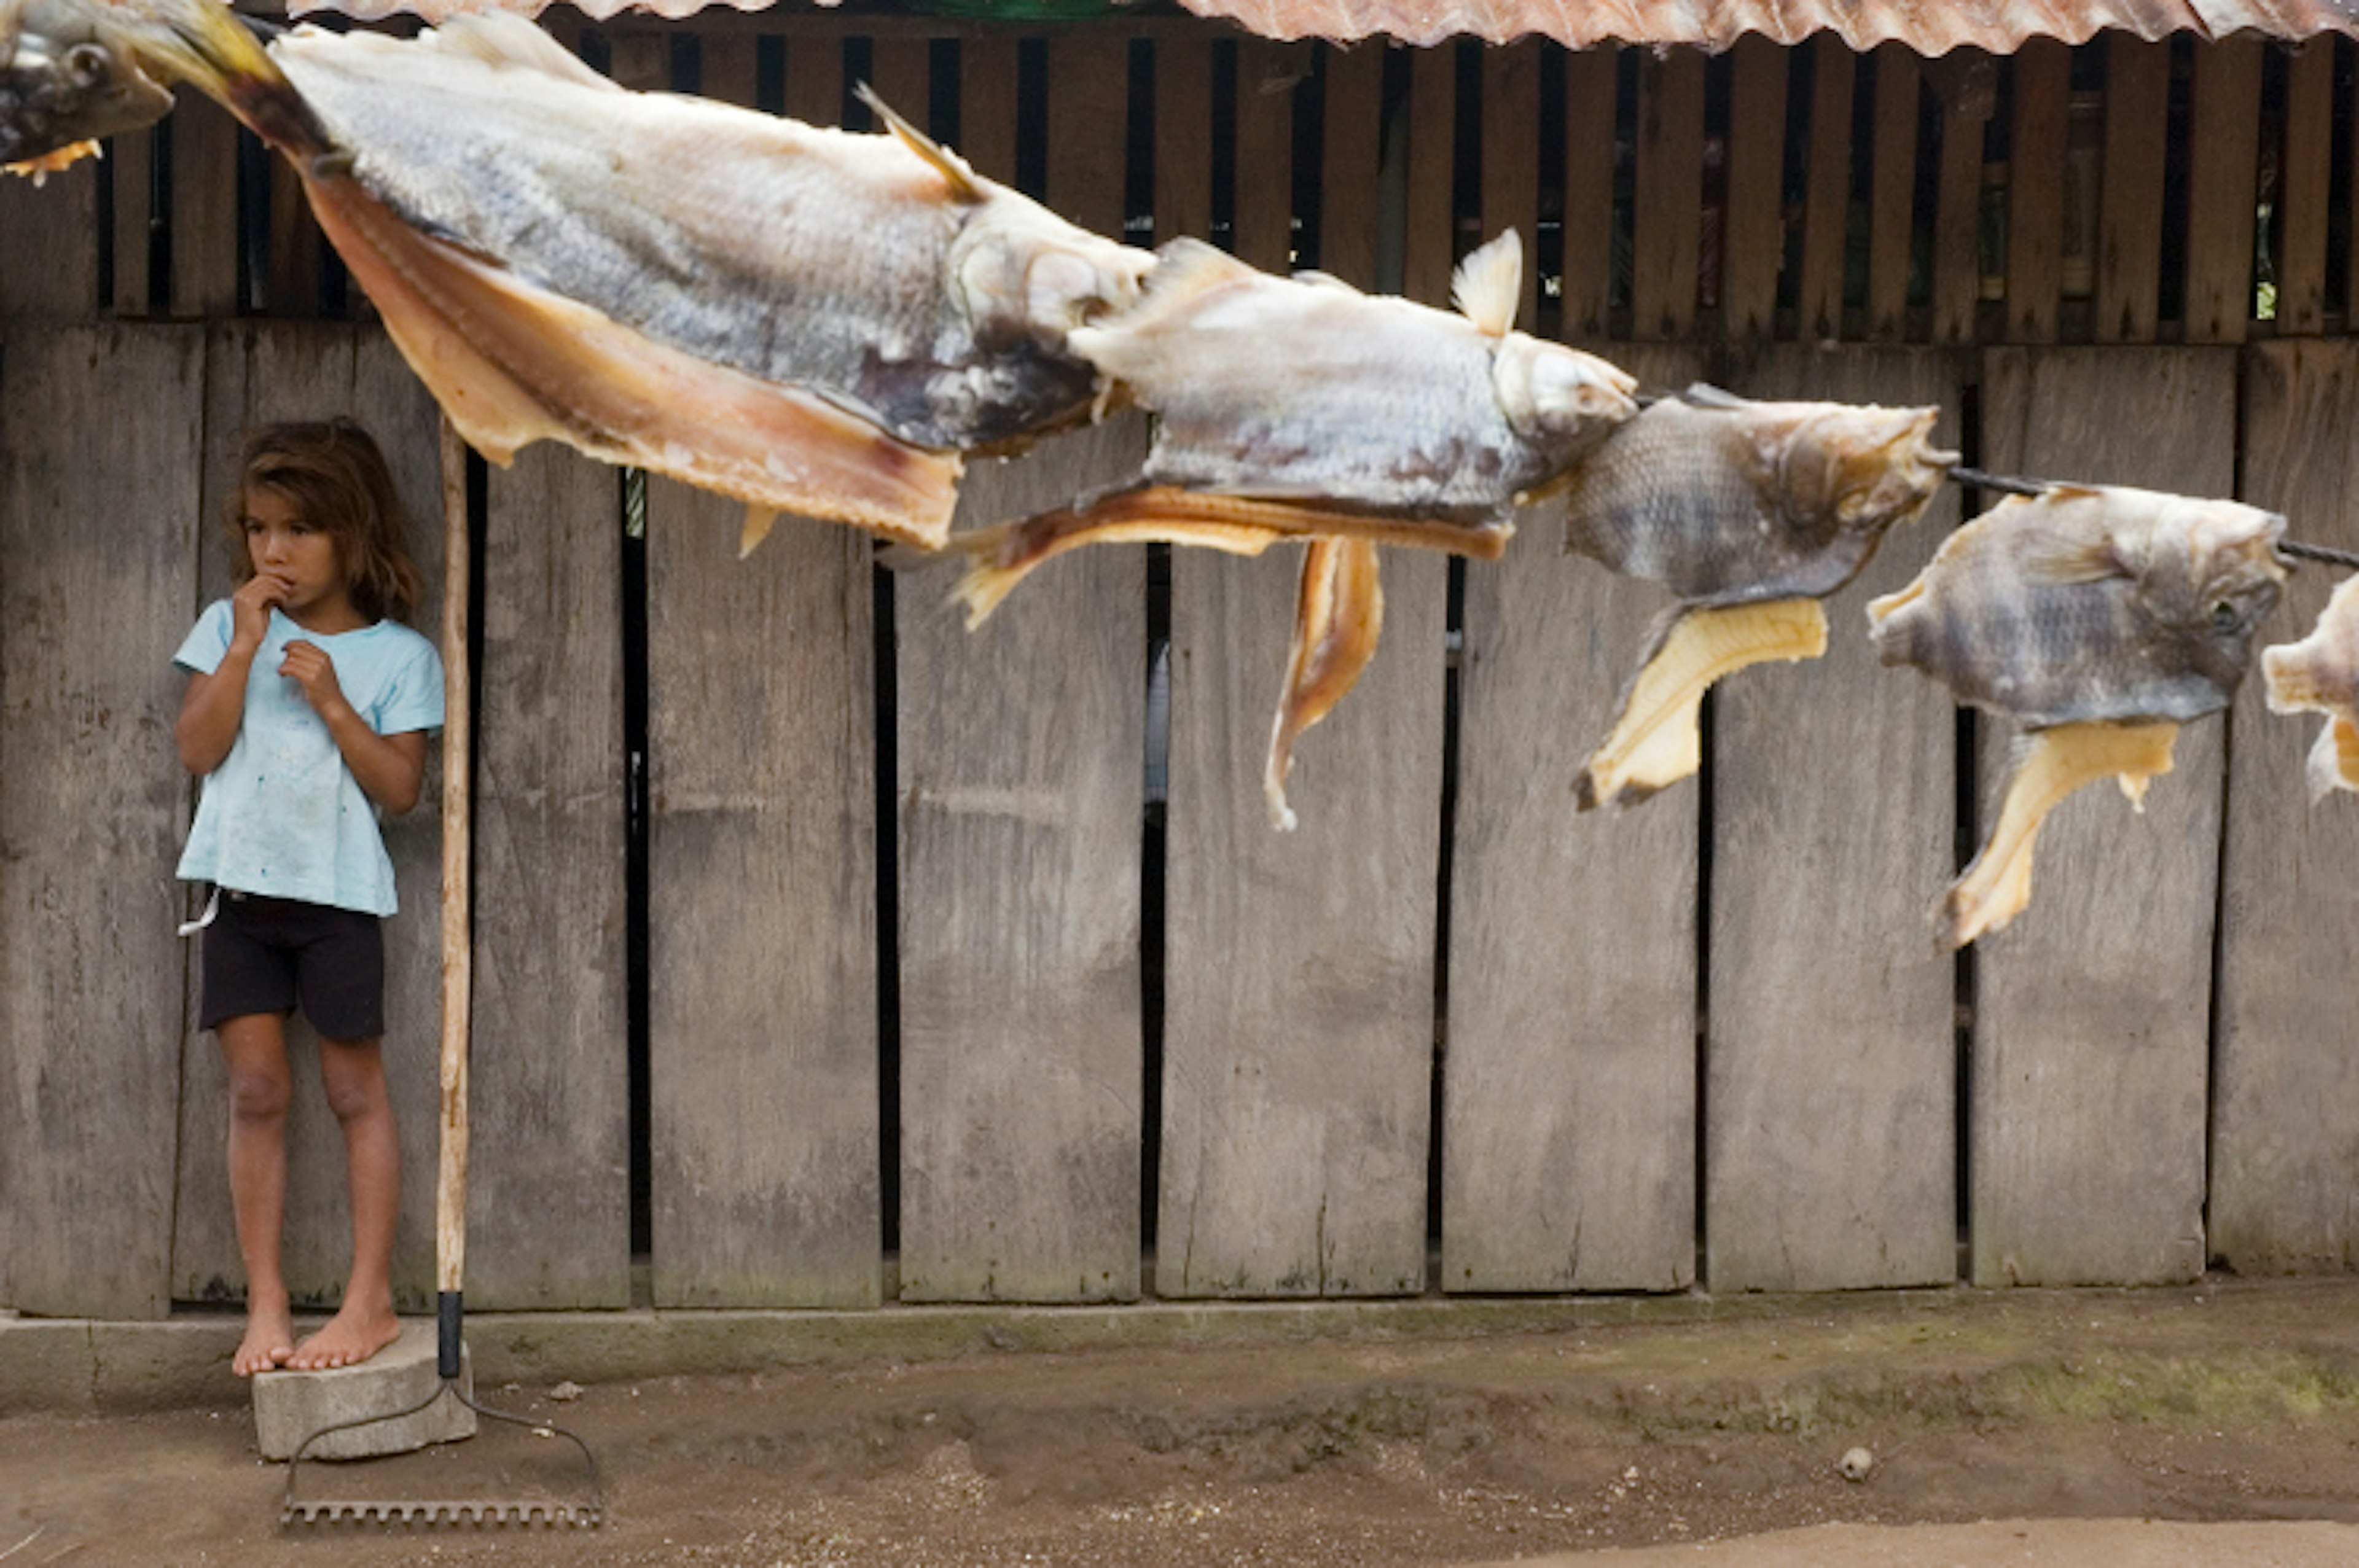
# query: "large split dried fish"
1296,408
811,320
67,78
2321,673
2100,620
1751,512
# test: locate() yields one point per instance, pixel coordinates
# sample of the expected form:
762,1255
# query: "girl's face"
284,545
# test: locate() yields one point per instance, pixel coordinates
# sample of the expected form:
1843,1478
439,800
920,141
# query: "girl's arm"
215,704
389,768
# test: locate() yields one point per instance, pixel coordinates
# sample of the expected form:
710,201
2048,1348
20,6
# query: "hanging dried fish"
2321,673
1751,512
811,320
2101,619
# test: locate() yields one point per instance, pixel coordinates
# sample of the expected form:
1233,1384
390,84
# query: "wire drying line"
1976,479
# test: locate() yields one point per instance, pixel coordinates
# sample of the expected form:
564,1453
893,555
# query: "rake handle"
458,948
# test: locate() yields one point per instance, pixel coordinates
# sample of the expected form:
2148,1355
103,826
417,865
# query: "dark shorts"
270,955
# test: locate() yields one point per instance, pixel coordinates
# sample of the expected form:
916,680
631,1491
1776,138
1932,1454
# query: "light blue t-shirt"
283,815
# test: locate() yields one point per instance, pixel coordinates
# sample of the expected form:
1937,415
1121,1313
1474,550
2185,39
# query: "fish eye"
87,64
2226,616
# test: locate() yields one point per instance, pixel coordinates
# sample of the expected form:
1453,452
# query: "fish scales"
1736,503
1306,389
2091,604
800,254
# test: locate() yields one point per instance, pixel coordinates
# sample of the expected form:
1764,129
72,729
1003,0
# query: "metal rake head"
538,1512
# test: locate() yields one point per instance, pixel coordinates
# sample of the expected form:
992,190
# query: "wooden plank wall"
1704,1040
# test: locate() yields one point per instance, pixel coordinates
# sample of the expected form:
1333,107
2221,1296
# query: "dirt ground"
2226,1403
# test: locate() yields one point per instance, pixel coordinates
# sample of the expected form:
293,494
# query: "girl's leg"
354,1074
254,1047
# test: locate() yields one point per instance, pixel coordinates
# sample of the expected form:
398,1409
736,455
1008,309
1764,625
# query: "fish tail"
1658,738
2334,761
2050,766
1338,619
203,43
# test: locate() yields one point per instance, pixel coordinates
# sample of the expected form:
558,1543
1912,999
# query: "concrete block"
291,1406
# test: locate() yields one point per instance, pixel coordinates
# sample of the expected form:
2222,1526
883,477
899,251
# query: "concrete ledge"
76,1366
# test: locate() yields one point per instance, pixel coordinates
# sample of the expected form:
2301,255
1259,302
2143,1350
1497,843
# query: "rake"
450,1183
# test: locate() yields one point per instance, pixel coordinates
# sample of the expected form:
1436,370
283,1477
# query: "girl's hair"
339,483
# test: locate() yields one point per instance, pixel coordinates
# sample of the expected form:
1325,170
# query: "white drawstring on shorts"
212,907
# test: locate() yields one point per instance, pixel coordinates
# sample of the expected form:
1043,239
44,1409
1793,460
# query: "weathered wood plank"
1511,158
899,71
762,911
1298,996
1569,1094
2089,1048
291,281
1354,130
1429,248
1183,138
988,69
728,66
548,1204
1892,190
1957,210
1826,189
204,206
1020,796
258,372
2284,1165
131,166
2222,172
815,84
95,513
49,246
1589,103
640,61
2129,201
1830,1158
1667,227
2306,187
1087,113
1753,241
2035,190
1267,74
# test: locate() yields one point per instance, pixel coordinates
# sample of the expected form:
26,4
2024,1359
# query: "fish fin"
2065,560
2050,765
512,363
1703,395
759,521
1880,608
2334,761
955,170
1002,556
1657,740
509,42
1338,618
1488,287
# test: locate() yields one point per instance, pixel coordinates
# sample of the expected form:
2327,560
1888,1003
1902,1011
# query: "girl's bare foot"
351,1337
269,1339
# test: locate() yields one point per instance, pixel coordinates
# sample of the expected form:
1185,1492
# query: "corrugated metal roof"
1929,27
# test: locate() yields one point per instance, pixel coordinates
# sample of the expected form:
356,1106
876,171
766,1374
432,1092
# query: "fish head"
2207,573
1023,273
1560,398
1852,469
67,78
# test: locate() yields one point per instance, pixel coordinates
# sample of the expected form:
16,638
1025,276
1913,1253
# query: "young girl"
307,714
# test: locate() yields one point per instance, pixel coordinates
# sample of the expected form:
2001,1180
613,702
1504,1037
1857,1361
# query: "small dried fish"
67,80
811,320
1301,406
2321,673
1751,512
2101,619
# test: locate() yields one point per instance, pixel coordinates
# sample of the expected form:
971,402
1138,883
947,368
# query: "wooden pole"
458,973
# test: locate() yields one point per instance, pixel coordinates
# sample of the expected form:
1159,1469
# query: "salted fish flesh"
881,309
2101,619
68,78
2321,673
1301,407
1750,512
